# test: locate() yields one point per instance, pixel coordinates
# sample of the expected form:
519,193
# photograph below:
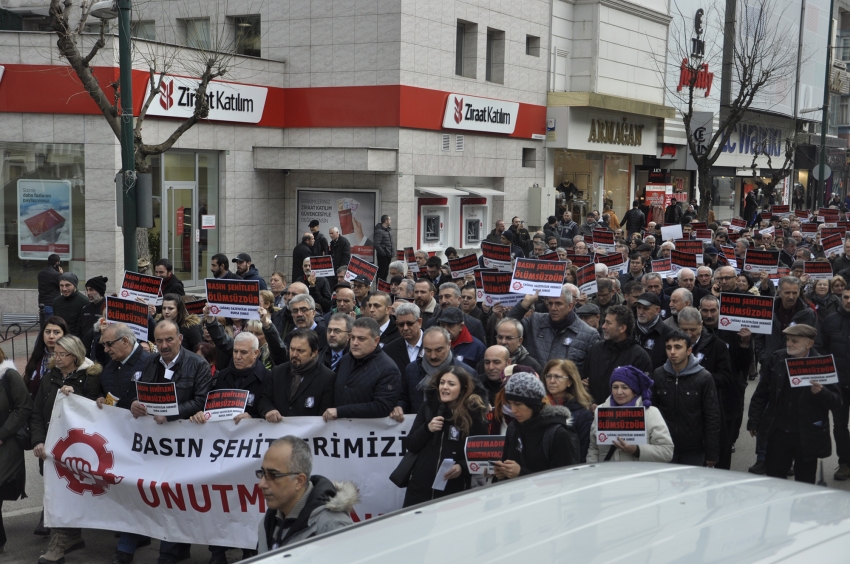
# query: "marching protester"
564,387
15,411
277,286
174,309
384,246
378,308
509,334
346,302
170,283
450,296
540,437
631,386
338,331
246,270
42,352
220,268
70,302
300,505
496,359
71,373
465,347
408,348
450,413
317,288
832,339
303,309
48,283
300,253
91,314
651,332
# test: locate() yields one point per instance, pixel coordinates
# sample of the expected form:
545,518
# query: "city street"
21,517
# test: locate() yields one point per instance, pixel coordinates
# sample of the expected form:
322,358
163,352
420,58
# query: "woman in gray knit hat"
541,437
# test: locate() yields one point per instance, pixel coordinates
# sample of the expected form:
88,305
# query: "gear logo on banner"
214,310
517,286
125,293
602,437
72,458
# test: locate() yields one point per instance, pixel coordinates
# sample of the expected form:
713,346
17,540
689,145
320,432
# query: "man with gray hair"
127,359
301,506
405,290
449,296
303,310
509,334
436,355
396,268
557,334
409,348
679,300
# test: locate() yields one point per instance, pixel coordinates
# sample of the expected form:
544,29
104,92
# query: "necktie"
335,361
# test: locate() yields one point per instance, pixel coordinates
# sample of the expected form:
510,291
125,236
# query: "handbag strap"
610,453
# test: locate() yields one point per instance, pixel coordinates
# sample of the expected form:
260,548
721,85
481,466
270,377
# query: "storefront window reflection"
595,175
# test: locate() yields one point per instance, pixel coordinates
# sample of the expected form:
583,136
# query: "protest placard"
703,235
681,260
158,399
603,239
669,232
384,286
131,313
777,276
135,285
663,267
496,256
804,371
196,307
399,254
761,261
766,231
781,211
830,231
579,260
464,265
224,405
322,266
497,289
827,215
481,451
627,423
737,224
551,255
233,298
545,276
359,267
808,228
691,246
832,245
802,215
479,284
698,225
818,270
615,262
410,259
586,279
739,311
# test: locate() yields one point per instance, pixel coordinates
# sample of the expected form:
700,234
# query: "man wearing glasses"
339,328
409,348
509,334
303,310
300,505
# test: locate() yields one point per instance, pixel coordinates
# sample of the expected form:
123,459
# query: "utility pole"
825,119
128,162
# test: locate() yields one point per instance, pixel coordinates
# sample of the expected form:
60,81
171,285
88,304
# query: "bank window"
466,49
532,45
495,63
197,33
247,35
529,157
144,30
43,199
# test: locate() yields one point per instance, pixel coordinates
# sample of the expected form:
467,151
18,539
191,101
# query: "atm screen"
473,230
432,228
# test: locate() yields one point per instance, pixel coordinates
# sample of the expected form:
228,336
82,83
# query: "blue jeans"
48,311
173,548
128,541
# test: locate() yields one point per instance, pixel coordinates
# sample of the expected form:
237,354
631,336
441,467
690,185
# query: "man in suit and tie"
338,331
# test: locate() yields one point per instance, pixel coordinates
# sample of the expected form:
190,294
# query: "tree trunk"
704,184
143,251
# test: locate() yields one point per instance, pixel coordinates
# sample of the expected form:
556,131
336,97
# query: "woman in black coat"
451,413
564,387
541,437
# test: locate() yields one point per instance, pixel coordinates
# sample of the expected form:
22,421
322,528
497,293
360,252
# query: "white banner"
480,114
184,482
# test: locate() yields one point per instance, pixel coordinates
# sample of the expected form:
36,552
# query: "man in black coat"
303,309
170,283
368,383
318,288
70,302
651,332
795,420
685,395
48,283
220,268
378,308
340,251
788,310
384,247
339,328
449,296
834,339
301,387
408,348
634,220
617,349
302,250
320,245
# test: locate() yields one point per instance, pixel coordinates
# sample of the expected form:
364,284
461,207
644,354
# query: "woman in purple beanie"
632,387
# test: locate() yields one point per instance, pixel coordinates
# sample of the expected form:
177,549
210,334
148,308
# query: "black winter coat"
83,381
603,357
776,406
320,292
766,345
713,354
253,381
524,442
340,252
582,423
413,382
688,402
301,251
70,309
633,221
433,448
834,339
320,244
48,285
368,387
120,379
192,378
397,351
173,285
315,393
383,240
655,344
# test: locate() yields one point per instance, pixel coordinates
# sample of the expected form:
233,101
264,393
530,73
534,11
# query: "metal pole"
128,166
793,175
825,120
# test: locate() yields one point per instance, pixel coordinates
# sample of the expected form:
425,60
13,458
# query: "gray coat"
383,241
544,344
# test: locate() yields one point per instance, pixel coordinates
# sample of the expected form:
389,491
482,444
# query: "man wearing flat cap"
794,420
70,302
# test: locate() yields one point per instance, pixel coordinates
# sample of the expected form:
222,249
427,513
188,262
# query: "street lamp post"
825,118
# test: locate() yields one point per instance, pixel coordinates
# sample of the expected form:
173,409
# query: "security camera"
286,172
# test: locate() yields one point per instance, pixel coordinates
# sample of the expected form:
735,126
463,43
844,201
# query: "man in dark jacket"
339,328
686,396
303,250
408,348
509,334
673,213
368,382
303,309
651,333
496,359
834,339
567,229
521,236
220,268
170,283
378,308
634,220
318,288
320,246
788,310
70,303
465,347
90,315
449,295
384,247
551,230
340,251
247,271
48,283
495,236
191,375
795,419
618,349
301,387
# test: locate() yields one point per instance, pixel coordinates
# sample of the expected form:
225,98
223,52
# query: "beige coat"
659,447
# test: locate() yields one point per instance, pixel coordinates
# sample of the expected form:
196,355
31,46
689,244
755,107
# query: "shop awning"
483,191
441,191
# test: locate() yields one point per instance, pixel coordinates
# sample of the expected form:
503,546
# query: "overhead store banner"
184,482
352,212
44,219
227,101
480,114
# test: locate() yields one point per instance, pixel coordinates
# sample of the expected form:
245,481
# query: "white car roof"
628,512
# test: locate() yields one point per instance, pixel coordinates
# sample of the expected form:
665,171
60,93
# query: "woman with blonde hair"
564,387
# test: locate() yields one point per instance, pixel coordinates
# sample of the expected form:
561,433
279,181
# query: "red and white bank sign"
228,101
480,114
184,482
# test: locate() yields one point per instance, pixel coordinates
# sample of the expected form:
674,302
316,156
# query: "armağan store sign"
618,133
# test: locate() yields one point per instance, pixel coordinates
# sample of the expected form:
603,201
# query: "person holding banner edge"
833,339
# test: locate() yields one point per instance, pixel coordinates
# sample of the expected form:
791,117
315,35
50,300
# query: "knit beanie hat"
70,277
98,284
525,388
636,379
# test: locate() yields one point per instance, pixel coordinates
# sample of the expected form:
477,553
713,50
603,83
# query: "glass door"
179,236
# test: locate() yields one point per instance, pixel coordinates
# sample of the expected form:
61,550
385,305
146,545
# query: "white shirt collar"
385,325
135,346
170,364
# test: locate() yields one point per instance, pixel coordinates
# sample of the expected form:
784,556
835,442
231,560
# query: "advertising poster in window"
44,219
353,213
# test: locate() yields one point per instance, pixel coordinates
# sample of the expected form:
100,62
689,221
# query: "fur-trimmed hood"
5,366
347,496
557,411
91,367
191,320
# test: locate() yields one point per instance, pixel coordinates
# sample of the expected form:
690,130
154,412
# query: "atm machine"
433,224
474,221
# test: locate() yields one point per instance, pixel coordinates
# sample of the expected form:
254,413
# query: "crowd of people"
428,349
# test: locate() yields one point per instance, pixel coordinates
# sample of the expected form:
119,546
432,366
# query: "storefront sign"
804,371
496,256
159,398
615,132
44,219
224,405
761,261
532,276
131,313
144,286
586,280
464,265
739,311
227,101
207,222
481,451
352,212
322,266
497,289
625,423
591,129
233,298
480,114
